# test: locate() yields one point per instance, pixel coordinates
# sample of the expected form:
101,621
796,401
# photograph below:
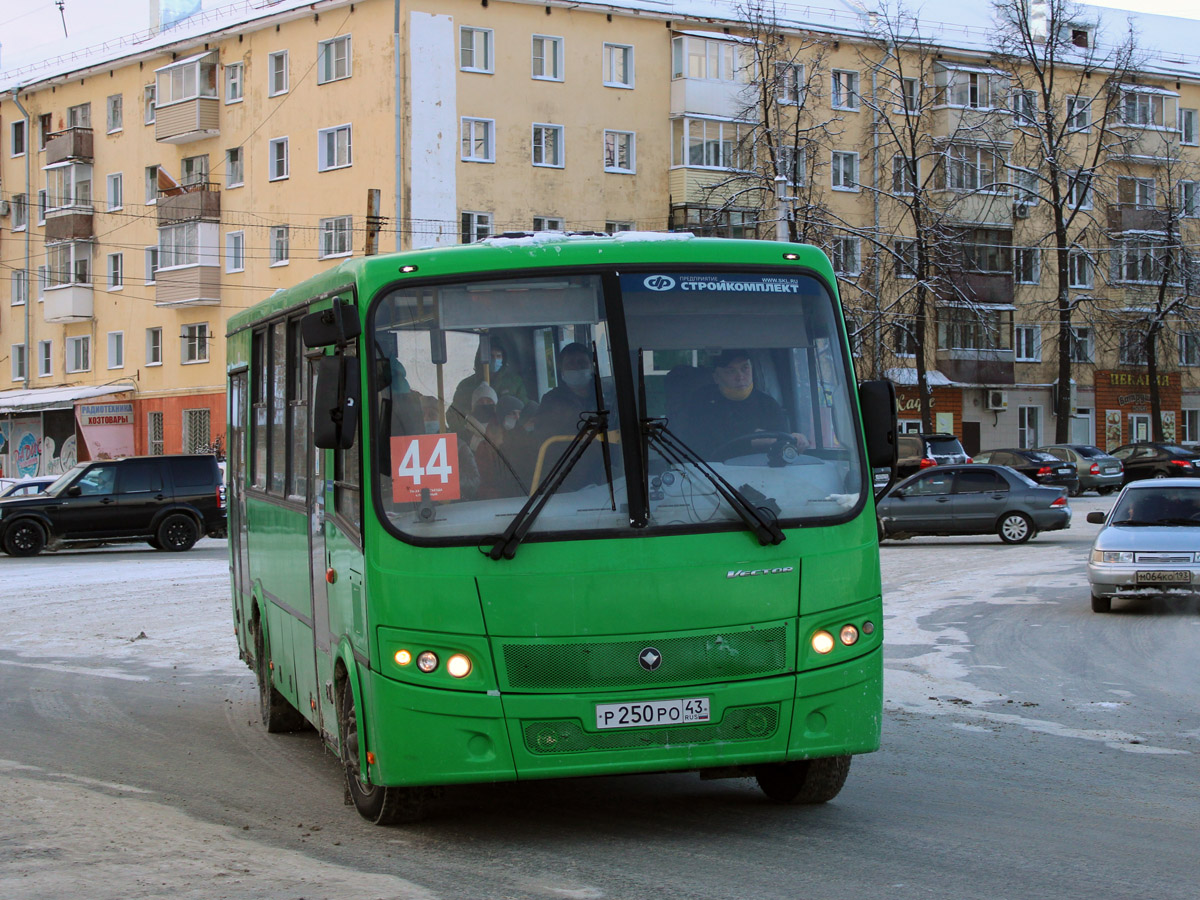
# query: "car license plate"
652,712
1108,470
1174,576
1065,470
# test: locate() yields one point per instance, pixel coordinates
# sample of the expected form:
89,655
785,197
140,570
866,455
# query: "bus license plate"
1180,576
652,712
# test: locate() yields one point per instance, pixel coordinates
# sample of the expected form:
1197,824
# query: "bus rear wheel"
804,781
278,716
376,803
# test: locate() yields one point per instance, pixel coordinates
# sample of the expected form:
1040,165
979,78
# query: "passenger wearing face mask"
483,414
502,457
503,378
576,391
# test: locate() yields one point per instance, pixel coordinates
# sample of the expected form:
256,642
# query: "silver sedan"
1150,543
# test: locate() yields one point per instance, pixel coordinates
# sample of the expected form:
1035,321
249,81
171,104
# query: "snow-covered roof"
906,376
57,397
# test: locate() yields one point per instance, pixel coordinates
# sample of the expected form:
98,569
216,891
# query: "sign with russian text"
91,414
425,462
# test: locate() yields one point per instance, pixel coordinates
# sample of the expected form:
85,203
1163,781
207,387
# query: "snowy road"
1031,749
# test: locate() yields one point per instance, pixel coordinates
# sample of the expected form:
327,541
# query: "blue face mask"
433,427
497,365
576,377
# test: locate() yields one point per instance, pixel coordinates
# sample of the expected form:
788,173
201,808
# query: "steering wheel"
782,441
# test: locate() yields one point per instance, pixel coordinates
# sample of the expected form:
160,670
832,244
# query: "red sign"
426,462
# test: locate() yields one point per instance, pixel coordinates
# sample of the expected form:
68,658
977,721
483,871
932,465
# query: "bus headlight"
459,666
403,657
427,661
822,642
848,634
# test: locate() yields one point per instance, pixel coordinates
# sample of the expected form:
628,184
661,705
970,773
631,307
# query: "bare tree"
1065,102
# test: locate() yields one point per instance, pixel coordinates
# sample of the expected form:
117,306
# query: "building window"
963,328
43,277
18,362
548,146
1079,269
1028,430
617,227
1143,108
1079,189
789,83
1189,348
194,339
475,49
844,90
179,245
697,57
45,129
712,143
619,152
79,354
904,338
197,433
1191,425
235,251
905,251
1028,343
1132,347
190,80
149,106
618,65
476,226
277,73
116,271
234,168
20,287
19,138
69,186
151,185
114,113
547,58
43,203
1137,192
45,359
335,236
910,95
154,433
904,175
277,164
1079,113
793,165
333,59
971,167
116,349
478,140
20,212
845,171
854,335
1189,200
116,191
1026,265
279,245
1024,107
548,223
151,264
974,89
1141,261
235,74
69,263
1189,127
1081,345
333,148
981,250
154,346
845,256
194,170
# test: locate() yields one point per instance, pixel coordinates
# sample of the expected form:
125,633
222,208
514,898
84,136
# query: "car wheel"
278,716
1105,491
376,803
882,530
1015,528
178,532
804,781
25,538
1161,475
1101,604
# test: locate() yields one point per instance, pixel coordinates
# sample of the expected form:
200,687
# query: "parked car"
22,487
1035,465
1098,471
1148,459
167,501
921,451
1150,543
972,499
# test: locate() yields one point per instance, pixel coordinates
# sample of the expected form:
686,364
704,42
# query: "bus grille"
748,723
598,665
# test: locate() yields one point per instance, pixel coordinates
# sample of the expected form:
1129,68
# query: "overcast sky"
32,30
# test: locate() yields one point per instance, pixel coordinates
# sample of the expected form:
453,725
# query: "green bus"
558,505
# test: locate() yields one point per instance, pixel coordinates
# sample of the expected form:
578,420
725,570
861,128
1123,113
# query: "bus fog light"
403,657
822,642
848,634
868,627
458,666
427,661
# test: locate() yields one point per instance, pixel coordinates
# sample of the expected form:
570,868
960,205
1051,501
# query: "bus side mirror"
336,400
877,400
337,325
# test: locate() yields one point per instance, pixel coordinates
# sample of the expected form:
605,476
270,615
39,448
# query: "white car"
1150,542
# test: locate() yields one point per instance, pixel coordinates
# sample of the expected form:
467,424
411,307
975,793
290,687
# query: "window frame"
559,145
324,75
277,260
489,127
20,363
1027,334
272,159
331,231
488,34
194,337
845,96
838,174
154,346
114,270
235,83
608,52
15,126
117,179
114,103
559,61
324,137
838,248
476,219
46,358
630,152
119,345
78,346
235,166
235,251
278,75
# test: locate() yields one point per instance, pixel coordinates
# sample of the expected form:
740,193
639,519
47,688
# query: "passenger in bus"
501,457
576,391
503,378
730,407
482,413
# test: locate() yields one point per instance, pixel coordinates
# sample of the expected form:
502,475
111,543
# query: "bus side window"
347,486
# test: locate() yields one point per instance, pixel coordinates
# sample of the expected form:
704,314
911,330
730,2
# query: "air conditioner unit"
4,207
997,400
1021,210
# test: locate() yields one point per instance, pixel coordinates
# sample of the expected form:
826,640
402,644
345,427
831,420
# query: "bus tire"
804,781
25,538
278,716
178,532
376,803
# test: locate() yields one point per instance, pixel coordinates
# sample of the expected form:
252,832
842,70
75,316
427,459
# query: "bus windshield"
480,388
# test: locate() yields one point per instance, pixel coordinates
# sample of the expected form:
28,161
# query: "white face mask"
576,377
510,422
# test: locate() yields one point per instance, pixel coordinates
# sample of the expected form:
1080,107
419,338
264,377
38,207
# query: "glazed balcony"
68,303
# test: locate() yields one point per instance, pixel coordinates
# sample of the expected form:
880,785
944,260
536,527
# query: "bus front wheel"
804,781
376,803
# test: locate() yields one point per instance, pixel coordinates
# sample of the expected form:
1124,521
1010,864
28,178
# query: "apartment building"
152,190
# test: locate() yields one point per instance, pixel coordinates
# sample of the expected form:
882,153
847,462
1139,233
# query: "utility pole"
374,222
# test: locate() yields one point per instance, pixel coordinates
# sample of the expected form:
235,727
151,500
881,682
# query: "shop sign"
92,414
1136,379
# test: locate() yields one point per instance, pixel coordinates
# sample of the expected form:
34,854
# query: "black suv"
168,501
920,451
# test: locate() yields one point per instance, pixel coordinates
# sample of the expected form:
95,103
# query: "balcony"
188,286
1132,217
68,303
187,121
189,203
69,225
72,144
983,125
705,97
1150,145
977,366
982,287
980,208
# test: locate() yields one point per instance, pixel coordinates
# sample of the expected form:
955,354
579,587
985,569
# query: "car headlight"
1112,556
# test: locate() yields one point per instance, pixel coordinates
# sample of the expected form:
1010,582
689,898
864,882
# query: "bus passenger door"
318,566
235,475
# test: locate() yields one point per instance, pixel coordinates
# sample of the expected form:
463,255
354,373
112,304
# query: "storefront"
46,431
1123,407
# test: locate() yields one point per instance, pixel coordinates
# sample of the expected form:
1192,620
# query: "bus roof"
537,249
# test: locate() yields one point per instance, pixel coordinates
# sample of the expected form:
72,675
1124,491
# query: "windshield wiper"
592,425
